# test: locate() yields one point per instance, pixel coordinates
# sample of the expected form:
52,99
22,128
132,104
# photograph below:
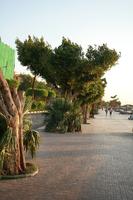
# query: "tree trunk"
22,156
92,110
14,124
85,113
33,86
11,106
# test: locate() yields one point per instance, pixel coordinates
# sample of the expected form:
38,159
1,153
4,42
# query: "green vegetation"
63,116
114,103
42,92
75,75
38,93
31,137
73,86
34,54
6,146
30,168
31,141
16,134
38,106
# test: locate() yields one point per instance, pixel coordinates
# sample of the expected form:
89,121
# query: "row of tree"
78,78
76,75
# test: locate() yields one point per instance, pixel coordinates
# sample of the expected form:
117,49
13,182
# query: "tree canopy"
66,67
34,53
77,75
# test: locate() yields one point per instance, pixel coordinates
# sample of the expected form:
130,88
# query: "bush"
31,137
51,94
31,141
30,168
38,93
38,105
63,116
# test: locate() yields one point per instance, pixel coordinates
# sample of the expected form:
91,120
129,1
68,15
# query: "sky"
85,22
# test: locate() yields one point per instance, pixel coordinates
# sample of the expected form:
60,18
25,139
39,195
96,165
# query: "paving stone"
97,165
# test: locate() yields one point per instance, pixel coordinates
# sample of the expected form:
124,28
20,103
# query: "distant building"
7,60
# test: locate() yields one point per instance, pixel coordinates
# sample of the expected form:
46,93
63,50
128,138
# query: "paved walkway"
116,123
93,166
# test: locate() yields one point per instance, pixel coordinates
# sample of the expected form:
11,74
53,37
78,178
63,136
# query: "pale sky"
83,21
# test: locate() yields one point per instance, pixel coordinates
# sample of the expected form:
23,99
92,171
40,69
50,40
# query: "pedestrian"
110,111
106,111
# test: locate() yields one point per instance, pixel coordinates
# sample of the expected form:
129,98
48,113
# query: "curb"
34,112
7,177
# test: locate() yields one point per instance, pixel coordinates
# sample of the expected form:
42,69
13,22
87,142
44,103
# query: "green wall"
7,60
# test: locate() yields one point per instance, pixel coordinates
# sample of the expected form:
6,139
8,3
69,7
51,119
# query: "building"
7,60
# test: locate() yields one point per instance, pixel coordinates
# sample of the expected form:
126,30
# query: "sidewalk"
93,166
103,124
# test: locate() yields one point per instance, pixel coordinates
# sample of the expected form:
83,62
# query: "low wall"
37,120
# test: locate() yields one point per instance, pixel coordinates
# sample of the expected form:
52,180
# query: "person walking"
106,111
110,111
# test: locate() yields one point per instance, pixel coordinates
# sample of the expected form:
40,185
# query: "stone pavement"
116,123
97,165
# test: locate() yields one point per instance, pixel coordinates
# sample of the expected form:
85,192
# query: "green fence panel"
7,60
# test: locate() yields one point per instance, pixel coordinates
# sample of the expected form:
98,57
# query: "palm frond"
31,141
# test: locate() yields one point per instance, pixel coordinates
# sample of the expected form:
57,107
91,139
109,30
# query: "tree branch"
6,94
16,99
22,98
3,108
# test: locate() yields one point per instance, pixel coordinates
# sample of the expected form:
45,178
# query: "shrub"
38,105
38,93
51,94
63,116
31,141
30,168
31,137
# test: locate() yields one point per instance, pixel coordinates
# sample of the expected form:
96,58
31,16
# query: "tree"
90,94
34,53
114,102
16,135
101,59
66,60
12,106
75,74
25,81
90,82
73,68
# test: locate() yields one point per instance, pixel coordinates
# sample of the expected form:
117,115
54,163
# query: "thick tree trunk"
14,124
11,106
18,150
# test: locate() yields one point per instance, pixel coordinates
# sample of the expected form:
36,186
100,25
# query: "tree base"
31,170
